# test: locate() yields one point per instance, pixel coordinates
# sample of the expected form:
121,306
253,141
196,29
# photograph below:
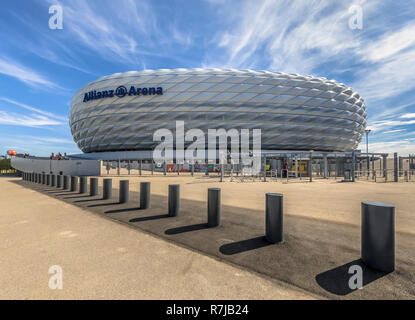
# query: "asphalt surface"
103,259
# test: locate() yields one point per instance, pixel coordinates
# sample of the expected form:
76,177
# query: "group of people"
58,156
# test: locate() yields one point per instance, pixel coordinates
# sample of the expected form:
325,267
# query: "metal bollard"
83,185
59,181
107,192
274,217
53,180
74,183
39,178
48,179
213,207
124,191
378,236
174,199
65,182
43,178
93,186
144,195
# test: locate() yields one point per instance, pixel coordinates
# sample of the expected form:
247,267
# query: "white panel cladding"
293,111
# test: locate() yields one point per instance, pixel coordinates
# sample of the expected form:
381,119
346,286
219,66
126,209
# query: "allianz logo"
121,92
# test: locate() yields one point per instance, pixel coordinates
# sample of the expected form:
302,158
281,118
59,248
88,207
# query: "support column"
395,167
310,167
325,166
353,166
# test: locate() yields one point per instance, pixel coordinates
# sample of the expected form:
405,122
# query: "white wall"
68,167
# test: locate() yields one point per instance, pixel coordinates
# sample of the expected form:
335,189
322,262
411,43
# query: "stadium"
121,112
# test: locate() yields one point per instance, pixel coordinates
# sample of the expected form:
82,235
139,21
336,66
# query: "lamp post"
367,131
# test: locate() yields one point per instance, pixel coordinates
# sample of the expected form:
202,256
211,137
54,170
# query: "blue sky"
40,68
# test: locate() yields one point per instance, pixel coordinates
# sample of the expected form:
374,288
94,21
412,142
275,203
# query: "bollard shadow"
103,204
193,227
88,200
123,210
336,280
77,196
161,216
244,245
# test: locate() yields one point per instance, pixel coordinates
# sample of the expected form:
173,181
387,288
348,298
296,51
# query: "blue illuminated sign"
121,92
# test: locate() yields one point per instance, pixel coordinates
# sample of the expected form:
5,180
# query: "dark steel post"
174,199
213,207
65,182
93,186
274,217
107,189
59,181
378,235
74,183
48,179
395,167
124,191
53,180
83,184
144,195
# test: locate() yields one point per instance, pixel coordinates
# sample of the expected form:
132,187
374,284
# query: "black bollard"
65,182
124,191
144,195
39,178
213,207
74,183
48,179
53,180
43,178
274,217
107,193
93,186
378,235
83,184
59,181
174,199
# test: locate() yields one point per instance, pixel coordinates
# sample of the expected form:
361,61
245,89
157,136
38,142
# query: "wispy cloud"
37,110
407,116
25,74
34,120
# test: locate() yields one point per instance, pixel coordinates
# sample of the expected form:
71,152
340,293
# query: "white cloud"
13,69
34,120
27,107
408,116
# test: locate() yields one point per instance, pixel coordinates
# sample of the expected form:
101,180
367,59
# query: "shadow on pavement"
244,245
336,280
193,227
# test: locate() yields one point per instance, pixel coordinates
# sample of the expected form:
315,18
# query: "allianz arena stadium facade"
122,111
